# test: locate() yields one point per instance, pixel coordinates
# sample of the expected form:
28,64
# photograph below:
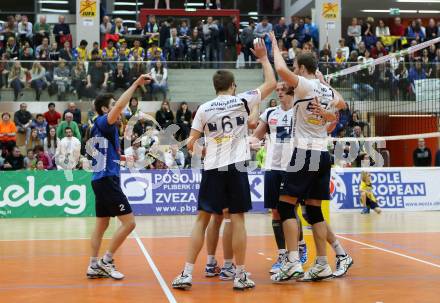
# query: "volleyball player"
277,123
225,184
308,176
110,201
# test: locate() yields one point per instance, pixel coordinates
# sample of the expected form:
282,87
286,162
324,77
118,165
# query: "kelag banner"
27,194
400,189
162,192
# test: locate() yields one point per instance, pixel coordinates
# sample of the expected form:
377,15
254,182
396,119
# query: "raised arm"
280,65
123,101
270,82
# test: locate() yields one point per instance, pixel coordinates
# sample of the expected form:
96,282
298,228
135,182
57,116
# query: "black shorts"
272,183
371,204
224,190
110,201
308,182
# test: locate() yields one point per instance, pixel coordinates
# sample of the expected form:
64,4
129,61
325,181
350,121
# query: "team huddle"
297,173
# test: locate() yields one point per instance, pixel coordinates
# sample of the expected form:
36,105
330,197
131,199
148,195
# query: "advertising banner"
400,189
34,194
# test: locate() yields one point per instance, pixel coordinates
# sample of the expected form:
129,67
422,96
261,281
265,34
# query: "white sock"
339,250
108,257
94,262
302,242
239,270
282,251
211,260
293,256
188,269
228,263
322,260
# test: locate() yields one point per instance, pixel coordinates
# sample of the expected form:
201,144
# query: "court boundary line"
389,251
155,270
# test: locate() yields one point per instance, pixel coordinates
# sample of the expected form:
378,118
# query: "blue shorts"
110,201
272,183
308,182
221,190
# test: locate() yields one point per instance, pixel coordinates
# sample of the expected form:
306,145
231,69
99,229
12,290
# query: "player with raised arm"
277,122
225,184
308,175
110,201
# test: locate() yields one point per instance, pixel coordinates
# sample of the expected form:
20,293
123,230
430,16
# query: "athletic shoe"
303,253
278,264
212,270
365,211
96,273
227,273
343,263
183,281
110,269
317,272
378,210
243,282
288,271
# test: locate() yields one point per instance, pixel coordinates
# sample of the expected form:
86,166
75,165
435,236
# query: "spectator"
95,53
151,30
273,103
54,54
164,32
40,166
68,151
52,117
61,30
132,109
66,52
120,78
437,158
152,51
432,31
368,33
109,53
183,120
8,132
195,45
41,126
24,29
51,142
41,30
397,28
80,52
14,161
263,28
42,156
74,111
34,139
415,32
340,59
174,158
173,47
362,49
294,50
61,76
138,50
427,63
68,123
211,40
280,29
362,88
311,32
38,79
42,51
97,77
165,116
379,50
382,30
401,76
135,155
422,155
29,161
221,41
79,79
138,30
118,27
416,72
23,120
159,73
26,55
345,49
156,4
9,29
231,32
142,126
247,39
11,48
217,4
105,27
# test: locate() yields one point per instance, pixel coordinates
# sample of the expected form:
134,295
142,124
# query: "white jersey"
310,130
224,124
279,146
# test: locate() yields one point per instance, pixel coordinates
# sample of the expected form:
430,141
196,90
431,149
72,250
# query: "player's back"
224,124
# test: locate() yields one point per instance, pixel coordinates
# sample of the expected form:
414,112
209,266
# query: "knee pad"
286,211
314,214
304,214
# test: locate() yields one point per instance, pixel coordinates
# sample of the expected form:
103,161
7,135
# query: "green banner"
39,194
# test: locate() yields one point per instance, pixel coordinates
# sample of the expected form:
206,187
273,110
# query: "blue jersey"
111,153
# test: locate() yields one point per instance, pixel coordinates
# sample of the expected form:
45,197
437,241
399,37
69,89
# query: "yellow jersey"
368,188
